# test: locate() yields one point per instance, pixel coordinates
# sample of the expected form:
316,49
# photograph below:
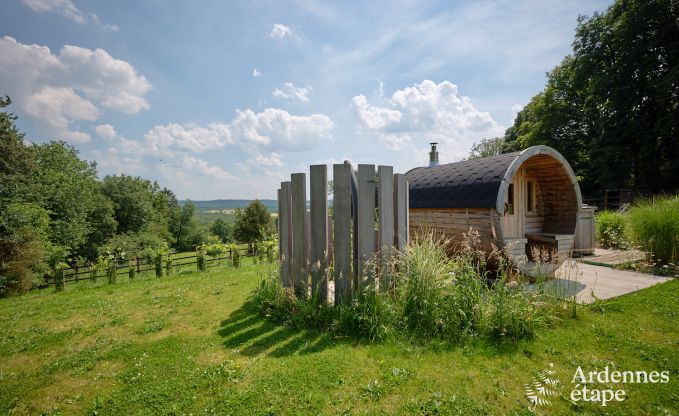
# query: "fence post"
58,279
158,263
386,206
401,211
342,227
366,220
319,230
285,236
299,241
168,265
131,272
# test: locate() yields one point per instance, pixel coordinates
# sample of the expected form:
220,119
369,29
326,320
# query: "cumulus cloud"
202,167
106,131
57,90
256,73
280,31
268,131
427,112
289,92
67,9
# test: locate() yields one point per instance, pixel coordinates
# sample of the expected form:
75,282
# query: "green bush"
610,229
654,227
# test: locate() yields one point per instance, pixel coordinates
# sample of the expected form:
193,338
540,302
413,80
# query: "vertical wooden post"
299,241
59,279
366,219
401,211
284,219
341,176
386,205
279,200
319,230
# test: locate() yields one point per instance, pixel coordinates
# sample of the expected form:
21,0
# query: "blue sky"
218,99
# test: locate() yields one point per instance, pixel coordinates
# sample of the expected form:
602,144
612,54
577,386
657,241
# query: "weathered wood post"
285,236
366,221
168,265
386,229
342,227
158,263
58,279
131,270
299,240
401,211
319,231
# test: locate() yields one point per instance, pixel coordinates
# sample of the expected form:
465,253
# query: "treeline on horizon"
611,107
54,212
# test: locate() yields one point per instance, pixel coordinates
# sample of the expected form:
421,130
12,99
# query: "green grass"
192,344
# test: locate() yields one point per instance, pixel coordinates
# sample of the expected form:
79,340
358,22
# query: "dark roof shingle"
467,184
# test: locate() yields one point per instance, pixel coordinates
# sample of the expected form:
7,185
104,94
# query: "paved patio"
589,282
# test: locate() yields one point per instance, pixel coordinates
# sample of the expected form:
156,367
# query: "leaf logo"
542,387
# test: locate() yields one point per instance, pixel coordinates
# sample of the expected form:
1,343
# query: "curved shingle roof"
467,184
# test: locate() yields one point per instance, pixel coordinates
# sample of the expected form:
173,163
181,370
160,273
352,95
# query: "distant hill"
220,204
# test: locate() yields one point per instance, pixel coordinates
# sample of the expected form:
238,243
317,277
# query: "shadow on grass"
244,330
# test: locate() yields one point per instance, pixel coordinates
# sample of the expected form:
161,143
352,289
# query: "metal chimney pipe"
433,155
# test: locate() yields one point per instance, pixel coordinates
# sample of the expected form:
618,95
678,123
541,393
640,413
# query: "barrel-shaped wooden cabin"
515,200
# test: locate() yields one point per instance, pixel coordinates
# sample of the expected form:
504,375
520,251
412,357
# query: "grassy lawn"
191,344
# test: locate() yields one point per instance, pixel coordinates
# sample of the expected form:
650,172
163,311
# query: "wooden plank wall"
319,230
299,234
386,227
310,241
285,234
366,220
341,174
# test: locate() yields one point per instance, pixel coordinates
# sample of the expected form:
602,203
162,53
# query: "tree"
487,147
611,108
135,201
222,229
185,231
252,224
66,186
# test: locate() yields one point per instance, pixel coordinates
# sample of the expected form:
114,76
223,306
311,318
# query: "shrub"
610,229
654,226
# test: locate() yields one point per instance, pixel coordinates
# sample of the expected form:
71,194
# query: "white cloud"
202,167
67,9
427,112
516,108
64,7
59,90
289,92
106,131
280,31
165,139
268,131
256,73
275,129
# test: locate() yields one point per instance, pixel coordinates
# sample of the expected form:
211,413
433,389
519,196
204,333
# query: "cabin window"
529,196
510,200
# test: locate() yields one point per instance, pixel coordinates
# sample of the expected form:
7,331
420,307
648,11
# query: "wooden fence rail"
369,220
82,273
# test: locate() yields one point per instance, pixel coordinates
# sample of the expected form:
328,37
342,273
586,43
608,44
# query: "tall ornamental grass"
432,296
653,225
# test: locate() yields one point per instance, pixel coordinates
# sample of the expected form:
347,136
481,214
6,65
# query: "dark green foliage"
235,255
487,147
611,108
222,229
253,223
